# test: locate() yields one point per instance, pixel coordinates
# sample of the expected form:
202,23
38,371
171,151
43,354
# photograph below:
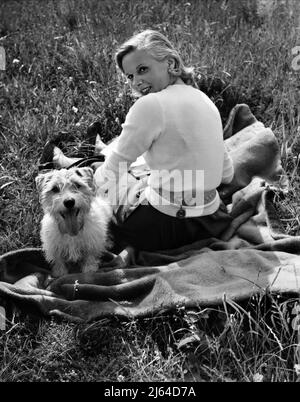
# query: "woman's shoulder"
147,105
146,99
146,102
184,89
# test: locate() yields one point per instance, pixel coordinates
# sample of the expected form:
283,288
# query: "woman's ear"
173,67
171,63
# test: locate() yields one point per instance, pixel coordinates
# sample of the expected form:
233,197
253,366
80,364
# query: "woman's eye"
130,77
142,69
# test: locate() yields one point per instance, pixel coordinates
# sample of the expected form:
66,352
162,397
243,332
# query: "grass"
60,77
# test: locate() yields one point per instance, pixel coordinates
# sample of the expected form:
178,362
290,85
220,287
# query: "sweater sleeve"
143,124
228,169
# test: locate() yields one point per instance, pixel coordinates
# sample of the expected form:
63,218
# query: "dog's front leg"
59,268
91,264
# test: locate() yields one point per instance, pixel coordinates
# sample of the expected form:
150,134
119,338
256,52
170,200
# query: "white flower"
297,369
75,110
16,61
258,377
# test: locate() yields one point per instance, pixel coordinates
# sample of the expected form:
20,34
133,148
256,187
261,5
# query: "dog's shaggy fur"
74,229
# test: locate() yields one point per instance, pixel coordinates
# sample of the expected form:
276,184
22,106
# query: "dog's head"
67,195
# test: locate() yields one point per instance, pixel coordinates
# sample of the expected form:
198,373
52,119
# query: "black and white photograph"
149,194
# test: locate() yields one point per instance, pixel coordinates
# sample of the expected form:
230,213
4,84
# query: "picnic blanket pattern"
254,255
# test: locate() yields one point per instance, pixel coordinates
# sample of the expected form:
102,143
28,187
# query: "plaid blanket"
253,256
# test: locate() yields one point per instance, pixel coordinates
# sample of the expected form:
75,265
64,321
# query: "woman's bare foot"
99,145
60,160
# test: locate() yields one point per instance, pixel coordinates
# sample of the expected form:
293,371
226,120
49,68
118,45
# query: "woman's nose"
136,82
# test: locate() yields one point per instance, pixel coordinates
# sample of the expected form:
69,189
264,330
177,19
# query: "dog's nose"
69,203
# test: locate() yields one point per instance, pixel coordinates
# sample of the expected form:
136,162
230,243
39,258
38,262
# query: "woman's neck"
178,81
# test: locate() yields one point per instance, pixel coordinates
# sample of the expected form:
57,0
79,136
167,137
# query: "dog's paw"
89,268
59,269
91,265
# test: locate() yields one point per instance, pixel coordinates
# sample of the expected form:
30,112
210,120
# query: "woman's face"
145,73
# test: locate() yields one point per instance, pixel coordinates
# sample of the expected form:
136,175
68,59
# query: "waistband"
211,205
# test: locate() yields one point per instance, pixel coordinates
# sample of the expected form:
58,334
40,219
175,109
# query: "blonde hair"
159,47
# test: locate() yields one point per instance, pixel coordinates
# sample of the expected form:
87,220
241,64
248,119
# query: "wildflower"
16,61
297,369
121,378
258,377
75,110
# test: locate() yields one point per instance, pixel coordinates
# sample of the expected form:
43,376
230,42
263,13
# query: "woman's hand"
121,260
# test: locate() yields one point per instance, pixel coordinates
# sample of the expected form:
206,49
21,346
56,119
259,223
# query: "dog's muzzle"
72,221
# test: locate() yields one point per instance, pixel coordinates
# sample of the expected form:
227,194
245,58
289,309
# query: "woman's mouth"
145,91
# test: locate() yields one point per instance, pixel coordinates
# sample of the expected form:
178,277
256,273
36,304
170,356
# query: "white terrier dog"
74,229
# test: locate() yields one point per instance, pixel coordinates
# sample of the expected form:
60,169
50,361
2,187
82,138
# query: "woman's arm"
143,124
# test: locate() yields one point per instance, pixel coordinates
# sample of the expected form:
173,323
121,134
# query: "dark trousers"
148,229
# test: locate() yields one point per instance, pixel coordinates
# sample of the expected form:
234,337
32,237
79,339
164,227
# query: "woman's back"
191,138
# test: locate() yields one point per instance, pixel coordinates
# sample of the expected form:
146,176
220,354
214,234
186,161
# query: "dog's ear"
41,180
87,174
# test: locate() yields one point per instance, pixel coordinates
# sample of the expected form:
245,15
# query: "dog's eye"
77,186
55,189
